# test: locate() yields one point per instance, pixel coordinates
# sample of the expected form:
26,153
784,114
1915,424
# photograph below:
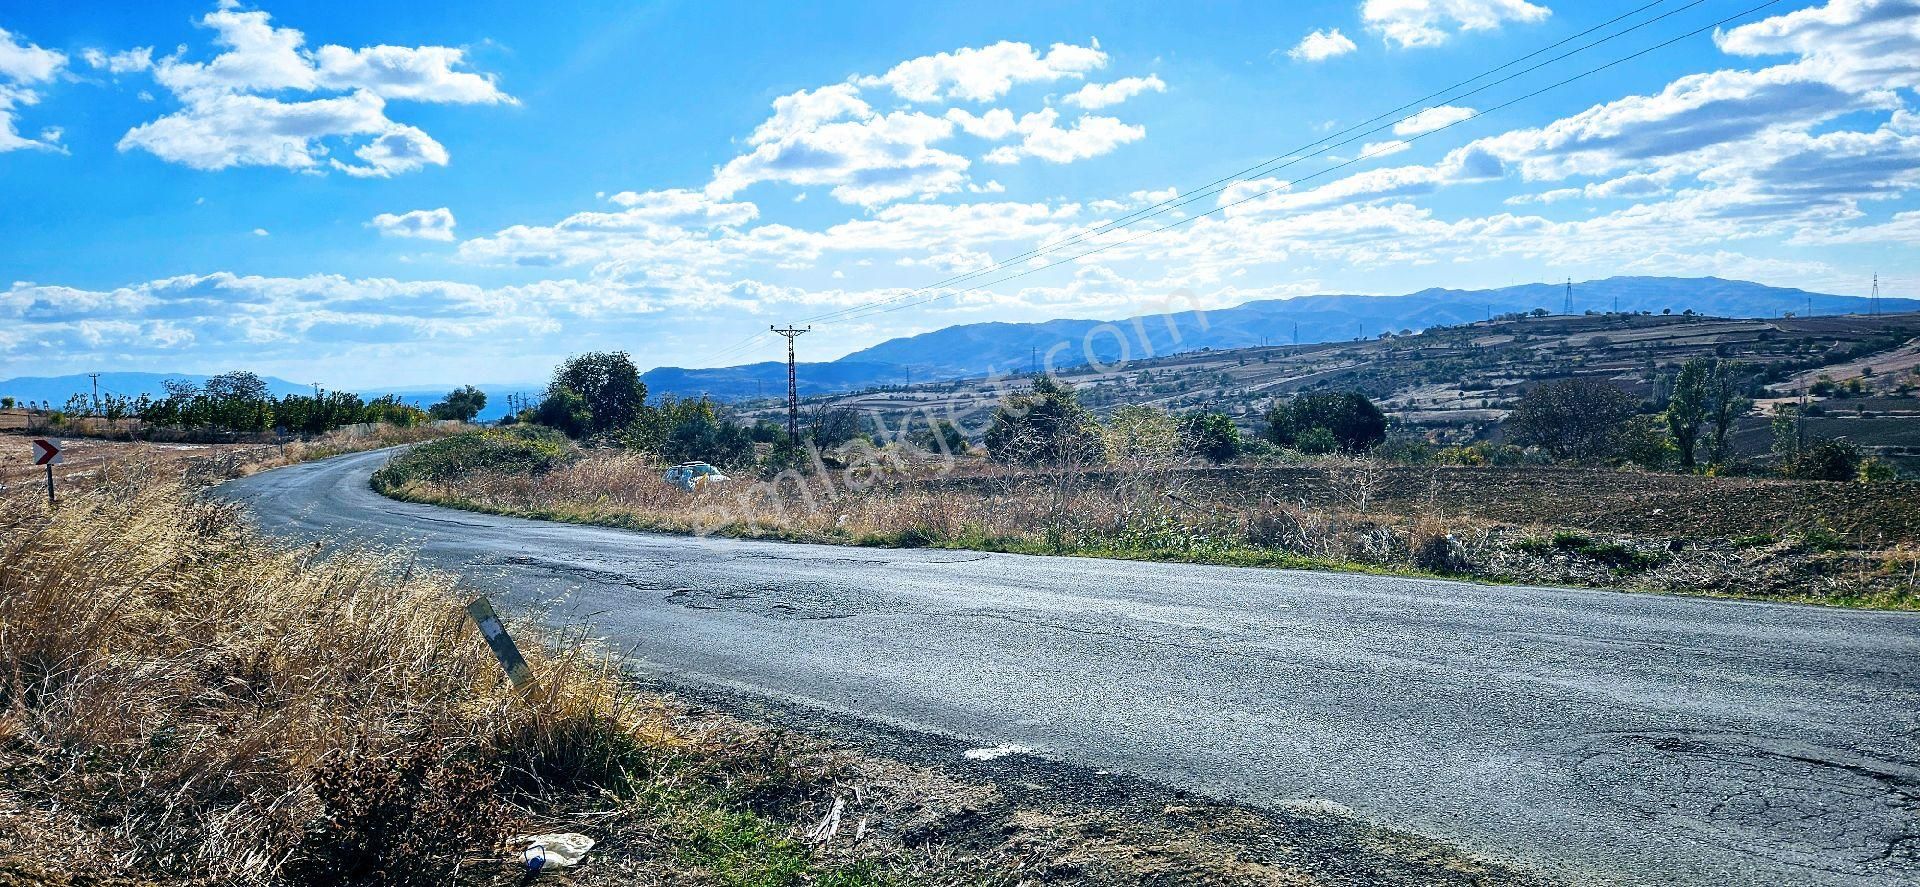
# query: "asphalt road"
1596,736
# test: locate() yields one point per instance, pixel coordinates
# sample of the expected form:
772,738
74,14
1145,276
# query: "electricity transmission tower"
793,384
1567,308
1876,295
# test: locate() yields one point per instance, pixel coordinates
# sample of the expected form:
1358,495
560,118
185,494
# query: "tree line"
242,402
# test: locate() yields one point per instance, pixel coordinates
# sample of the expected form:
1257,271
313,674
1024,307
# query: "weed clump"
1617,555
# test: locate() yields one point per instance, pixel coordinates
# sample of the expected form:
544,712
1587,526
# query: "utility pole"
96,385
793,383
1033,361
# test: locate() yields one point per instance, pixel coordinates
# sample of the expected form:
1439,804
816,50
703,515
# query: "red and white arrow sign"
44,452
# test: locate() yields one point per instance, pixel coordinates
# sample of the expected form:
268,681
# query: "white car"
691,476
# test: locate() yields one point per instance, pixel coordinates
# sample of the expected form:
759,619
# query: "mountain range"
984,348
978,349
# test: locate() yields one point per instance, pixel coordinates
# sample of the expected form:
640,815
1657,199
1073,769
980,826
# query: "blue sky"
379,194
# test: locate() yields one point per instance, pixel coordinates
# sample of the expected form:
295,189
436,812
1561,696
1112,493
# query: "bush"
1316,441
511,449
1441,554
1353,421
406,816
1044,427
1211,436
1826,460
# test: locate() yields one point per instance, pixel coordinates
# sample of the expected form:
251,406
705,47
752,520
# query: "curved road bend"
1598,736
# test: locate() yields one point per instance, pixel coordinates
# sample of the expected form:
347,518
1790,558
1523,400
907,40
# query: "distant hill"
56,389
980,348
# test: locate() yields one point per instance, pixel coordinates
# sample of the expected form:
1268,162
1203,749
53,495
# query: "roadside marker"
45,452
503,647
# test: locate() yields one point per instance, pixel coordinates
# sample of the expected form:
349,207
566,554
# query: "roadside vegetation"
1570,497
235,407
185,701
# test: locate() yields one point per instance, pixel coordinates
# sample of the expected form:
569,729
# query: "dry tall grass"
1349,519
179,698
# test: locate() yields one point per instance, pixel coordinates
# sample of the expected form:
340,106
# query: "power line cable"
1355,132
1351,134
1188,219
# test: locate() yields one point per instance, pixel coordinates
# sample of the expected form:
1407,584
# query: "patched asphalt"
1593,736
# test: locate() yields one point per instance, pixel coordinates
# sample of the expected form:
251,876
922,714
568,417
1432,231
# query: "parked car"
691,476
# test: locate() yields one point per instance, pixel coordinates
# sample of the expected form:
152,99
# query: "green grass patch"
1614,554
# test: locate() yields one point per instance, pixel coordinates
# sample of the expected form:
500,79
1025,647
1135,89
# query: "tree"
1578,420
1211,436
1645,443
239,401
565,409
1726,403
1688,406
1355,423
608,388
831,427
461,404
1044,426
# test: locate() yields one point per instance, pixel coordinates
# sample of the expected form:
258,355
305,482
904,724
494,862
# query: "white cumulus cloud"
22,65
1100,95
1407,23
1042,136
425,224
1432,119
986,73
1321,45
236,109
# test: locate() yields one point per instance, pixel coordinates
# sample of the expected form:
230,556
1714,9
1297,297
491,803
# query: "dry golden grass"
1166,511
172,687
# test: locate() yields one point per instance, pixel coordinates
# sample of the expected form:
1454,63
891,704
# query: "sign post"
503,647
45,452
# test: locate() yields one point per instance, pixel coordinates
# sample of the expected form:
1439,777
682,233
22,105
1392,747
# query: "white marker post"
45,452
502,645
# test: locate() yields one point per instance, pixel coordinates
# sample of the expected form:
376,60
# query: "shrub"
1316,441
1211,436
1578,420
403,816
1045,426
1441,554
1826,460
1354,422
511,449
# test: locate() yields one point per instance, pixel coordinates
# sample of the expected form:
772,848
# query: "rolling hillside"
986,348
